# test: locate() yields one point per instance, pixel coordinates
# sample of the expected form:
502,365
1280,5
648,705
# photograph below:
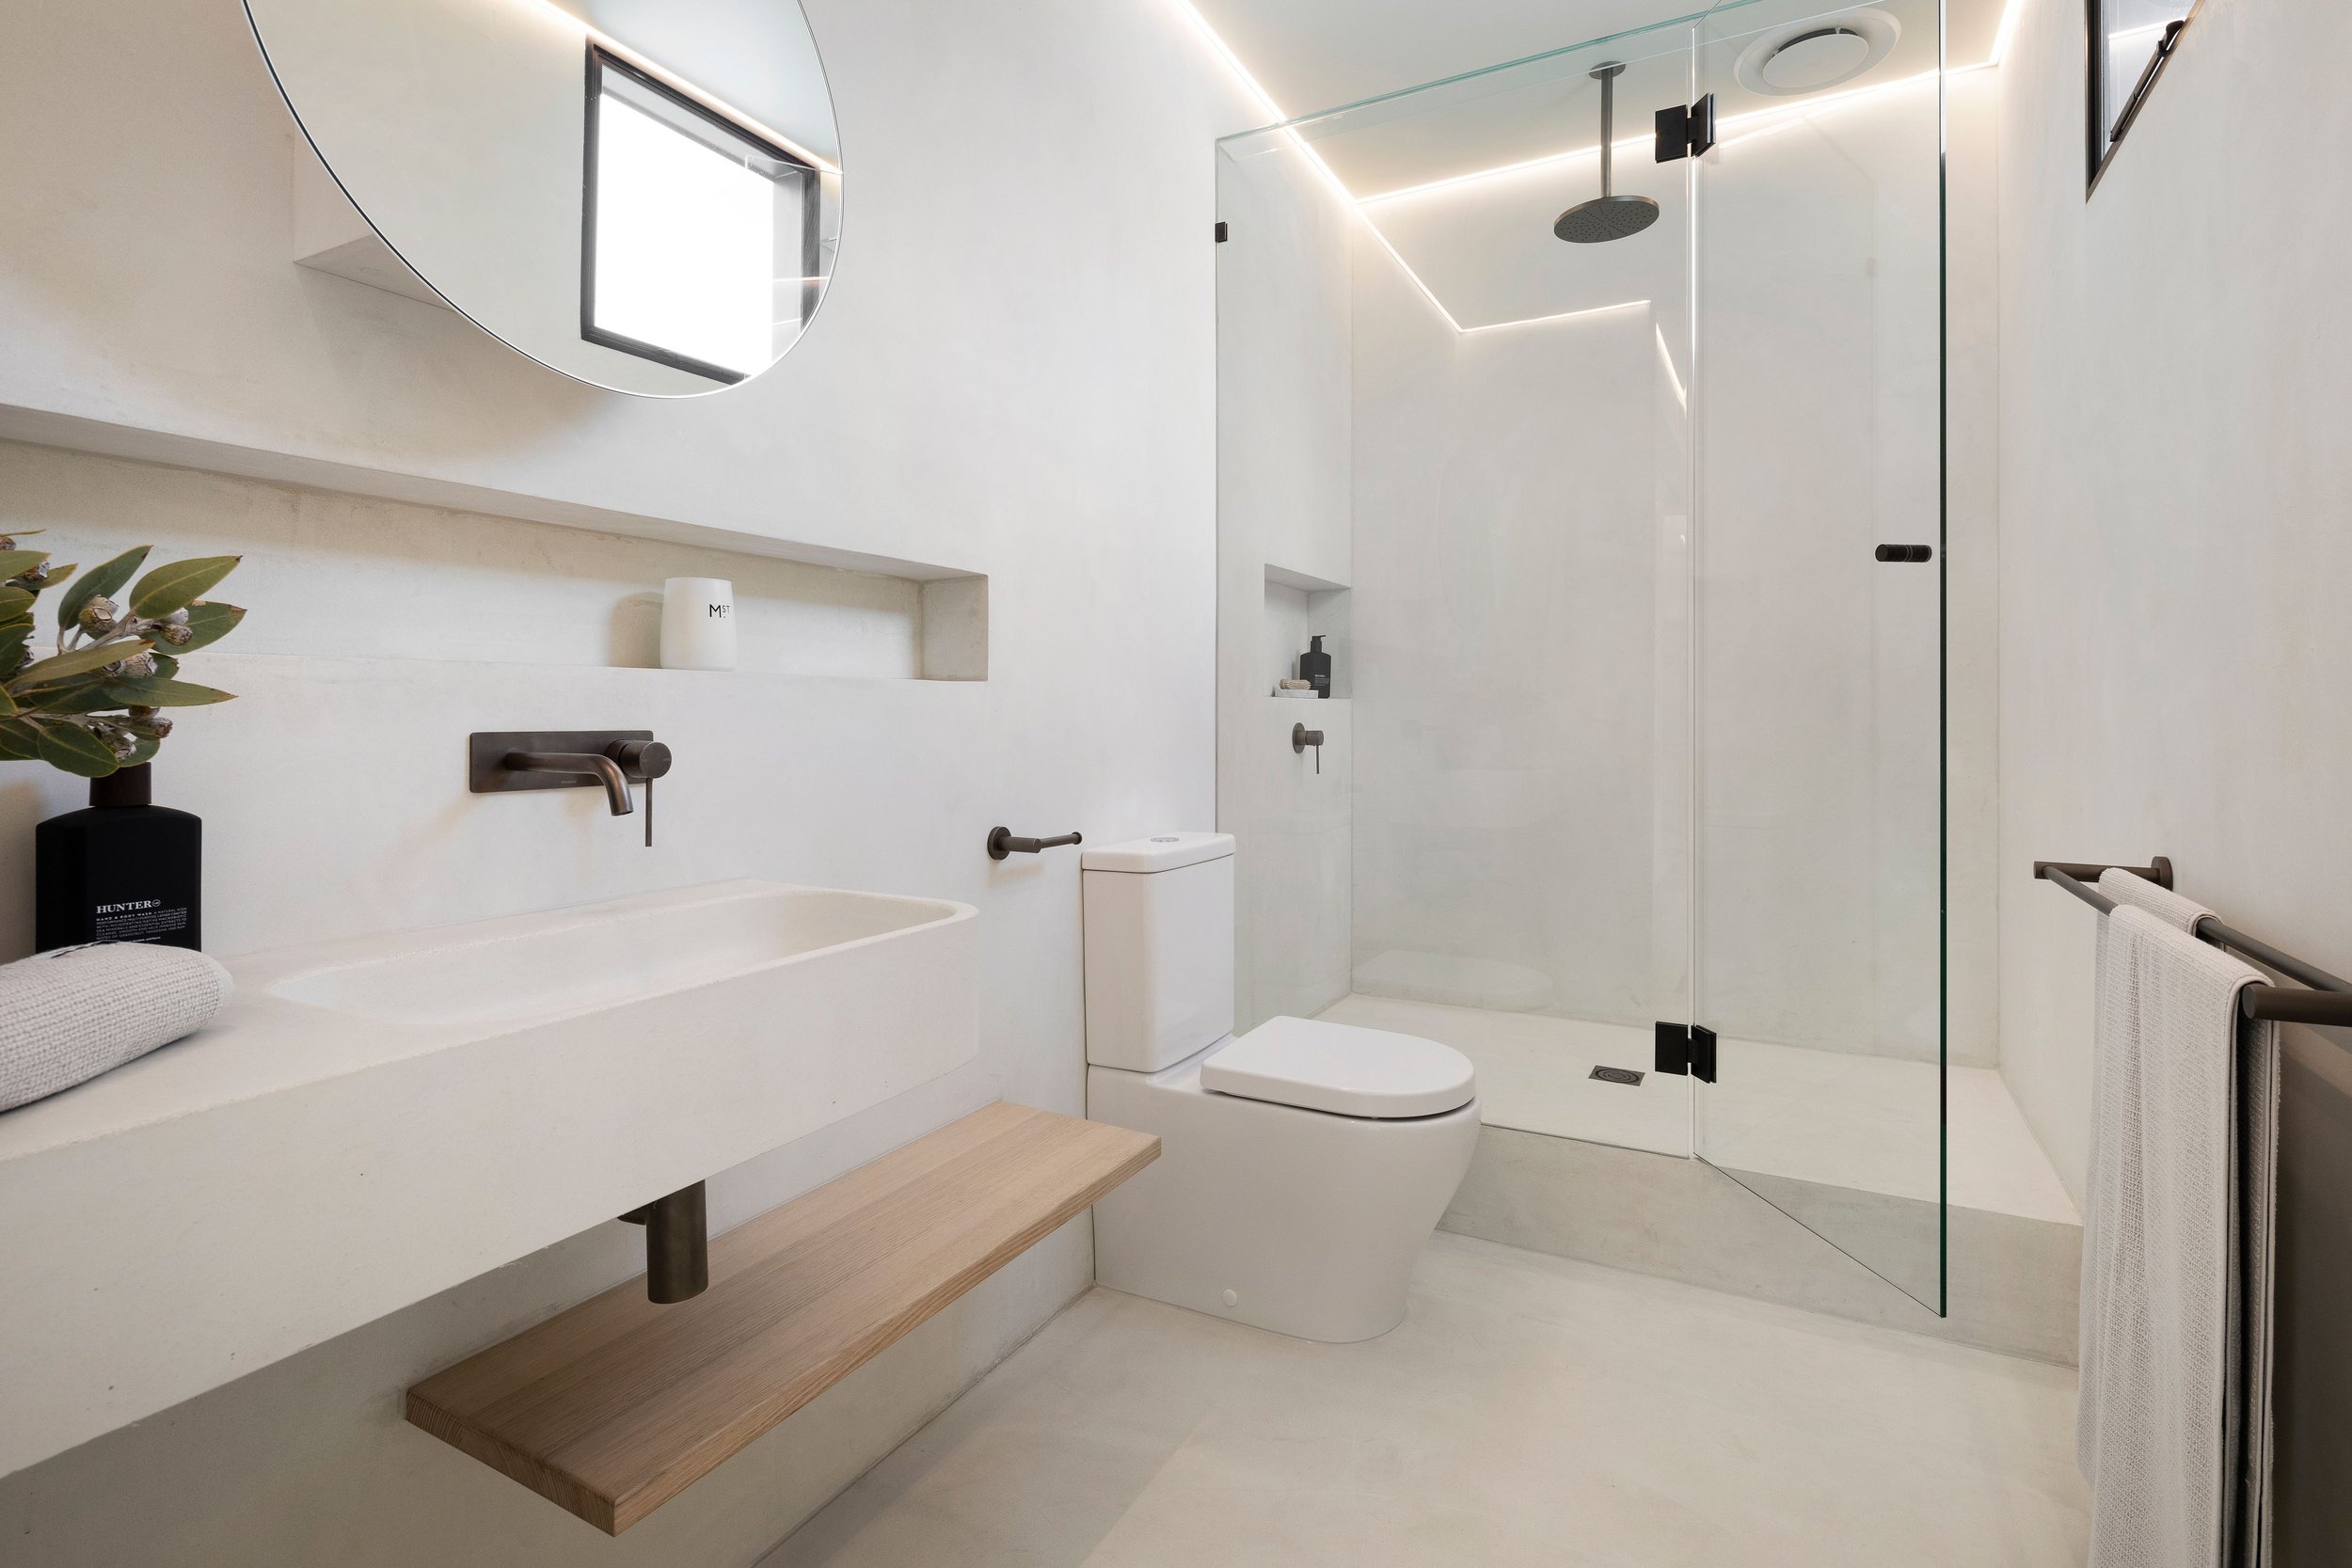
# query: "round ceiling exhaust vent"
1811,56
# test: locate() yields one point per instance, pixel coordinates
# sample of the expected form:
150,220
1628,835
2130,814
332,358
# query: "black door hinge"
1221,232
1686,1049
1686,131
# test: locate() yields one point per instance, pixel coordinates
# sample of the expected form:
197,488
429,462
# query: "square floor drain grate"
1618,1075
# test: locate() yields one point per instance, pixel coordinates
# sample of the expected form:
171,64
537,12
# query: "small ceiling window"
2131,43
698,236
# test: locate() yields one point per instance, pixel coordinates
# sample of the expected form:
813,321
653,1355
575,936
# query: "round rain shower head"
1607,216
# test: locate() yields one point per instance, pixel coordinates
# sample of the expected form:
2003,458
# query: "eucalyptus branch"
96,704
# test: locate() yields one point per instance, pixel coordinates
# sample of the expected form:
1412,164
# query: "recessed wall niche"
1299,605
330,572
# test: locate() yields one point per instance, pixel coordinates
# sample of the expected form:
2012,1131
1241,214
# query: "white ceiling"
1506,151
1311,54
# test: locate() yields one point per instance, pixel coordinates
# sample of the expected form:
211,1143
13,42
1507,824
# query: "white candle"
698,624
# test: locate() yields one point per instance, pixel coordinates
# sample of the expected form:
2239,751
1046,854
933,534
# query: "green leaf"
15,564
19,741
15,602
99,580
81,661
176,586
88,694
165,665
162,691
70,747
8,704
211,623
146,746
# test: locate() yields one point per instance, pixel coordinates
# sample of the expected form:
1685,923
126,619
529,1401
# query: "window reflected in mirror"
699,238
2131,43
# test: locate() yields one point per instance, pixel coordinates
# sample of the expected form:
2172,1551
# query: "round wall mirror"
643,194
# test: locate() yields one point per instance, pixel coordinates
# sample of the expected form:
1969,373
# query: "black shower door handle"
1907,552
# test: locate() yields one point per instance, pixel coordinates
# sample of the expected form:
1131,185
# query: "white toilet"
1302,1165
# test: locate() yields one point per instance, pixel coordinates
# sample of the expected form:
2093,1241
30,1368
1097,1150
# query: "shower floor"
1865,1123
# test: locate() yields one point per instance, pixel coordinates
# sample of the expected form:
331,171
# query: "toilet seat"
1342,1069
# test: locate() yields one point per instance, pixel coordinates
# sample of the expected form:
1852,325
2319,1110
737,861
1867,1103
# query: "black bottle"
1314,666
124,870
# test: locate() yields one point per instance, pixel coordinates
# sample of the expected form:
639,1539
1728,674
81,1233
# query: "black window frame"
602,60
2108,128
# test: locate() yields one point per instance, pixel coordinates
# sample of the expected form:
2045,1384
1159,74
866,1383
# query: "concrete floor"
1531,1410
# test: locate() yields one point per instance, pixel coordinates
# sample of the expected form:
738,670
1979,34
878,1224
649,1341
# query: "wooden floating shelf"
617,1405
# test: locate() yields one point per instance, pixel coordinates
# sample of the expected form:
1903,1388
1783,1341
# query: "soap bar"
68,1016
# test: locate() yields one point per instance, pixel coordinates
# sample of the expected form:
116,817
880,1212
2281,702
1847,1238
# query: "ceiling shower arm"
1610,76
1608,129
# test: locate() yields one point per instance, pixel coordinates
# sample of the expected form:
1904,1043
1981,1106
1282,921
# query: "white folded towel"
68,1016
2172,1431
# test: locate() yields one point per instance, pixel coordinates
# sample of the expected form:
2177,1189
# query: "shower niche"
1585,448
1300,609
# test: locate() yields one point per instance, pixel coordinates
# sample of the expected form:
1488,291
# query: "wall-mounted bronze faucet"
501,761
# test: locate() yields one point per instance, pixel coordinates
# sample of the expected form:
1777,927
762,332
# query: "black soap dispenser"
123,870
1314,666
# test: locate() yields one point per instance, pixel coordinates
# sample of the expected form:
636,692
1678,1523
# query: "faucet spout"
606,771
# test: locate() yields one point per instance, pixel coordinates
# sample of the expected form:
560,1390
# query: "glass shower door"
1818,641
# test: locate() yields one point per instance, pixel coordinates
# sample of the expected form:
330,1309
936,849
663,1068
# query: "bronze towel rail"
2327,1000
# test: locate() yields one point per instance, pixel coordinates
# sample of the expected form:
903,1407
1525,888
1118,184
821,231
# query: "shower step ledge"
614,1406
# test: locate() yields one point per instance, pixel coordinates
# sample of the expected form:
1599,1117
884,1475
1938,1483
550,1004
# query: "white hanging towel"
2172,1432
2255,1212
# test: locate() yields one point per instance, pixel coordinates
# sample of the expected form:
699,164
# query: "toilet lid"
1341,1069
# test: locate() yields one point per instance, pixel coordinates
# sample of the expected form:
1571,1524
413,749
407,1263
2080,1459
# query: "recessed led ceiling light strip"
1347,197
